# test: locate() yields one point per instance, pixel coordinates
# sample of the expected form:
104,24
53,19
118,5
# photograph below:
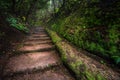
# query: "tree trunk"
32,6
54,6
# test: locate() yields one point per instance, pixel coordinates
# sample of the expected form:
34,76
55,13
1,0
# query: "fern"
14,23
116,59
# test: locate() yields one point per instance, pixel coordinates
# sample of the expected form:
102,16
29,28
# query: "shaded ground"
8,42
83,64
93,65
35,59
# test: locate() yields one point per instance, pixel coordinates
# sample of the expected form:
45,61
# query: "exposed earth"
35,59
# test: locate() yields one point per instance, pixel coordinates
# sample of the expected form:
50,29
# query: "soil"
34,57
37,58
93,65
8,42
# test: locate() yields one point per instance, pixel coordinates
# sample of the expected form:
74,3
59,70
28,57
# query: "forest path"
36,59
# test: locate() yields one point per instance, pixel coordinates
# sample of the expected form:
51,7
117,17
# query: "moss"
73,62
54,36
75,66
94,39
82,73
63,54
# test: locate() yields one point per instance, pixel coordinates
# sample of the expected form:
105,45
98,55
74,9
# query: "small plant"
16,24
116,59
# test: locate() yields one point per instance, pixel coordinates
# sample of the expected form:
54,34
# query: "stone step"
37,42
30,51
41,61
37,39
31,62
39,35
57,73
39,32
35,47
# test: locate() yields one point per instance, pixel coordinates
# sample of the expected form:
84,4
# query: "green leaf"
116,59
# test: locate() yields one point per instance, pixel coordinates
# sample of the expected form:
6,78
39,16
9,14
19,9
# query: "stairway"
36,59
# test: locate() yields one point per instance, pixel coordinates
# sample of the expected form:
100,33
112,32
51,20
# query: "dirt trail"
36,59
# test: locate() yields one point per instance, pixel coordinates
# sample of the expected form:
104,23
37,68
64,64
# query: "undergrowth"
87,31
15,22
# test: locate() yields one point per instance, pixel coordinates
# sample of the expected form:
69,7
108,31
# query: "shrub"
16,24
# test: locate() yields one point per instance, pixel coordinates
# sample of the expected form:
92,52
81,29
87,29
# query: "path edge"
81,71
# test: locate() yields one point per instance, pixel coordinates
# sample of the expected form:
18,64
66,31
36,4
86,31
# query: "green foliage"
16,24
5,5
91,76
90,40
92,27
116,59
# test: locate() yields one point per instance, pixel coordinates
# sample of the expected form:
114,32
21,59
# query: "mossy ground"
74,63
